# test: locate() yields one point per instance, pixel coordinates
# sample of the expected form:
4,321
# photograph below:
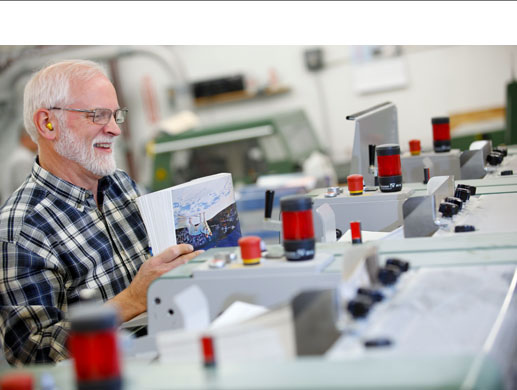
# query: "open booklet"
201,212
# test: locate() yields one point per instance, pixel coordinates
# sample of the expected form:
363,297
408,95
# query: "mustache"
104,140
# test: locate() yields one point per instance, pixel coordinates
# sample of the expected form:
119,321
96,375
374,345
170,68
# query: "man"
73,224
19,165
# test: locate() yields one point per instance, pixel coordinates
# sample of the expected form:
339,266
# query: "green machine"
274,144
511,113
507,135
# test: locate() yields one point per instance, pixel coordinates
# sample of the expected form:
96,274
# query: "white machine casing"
439,164
376,210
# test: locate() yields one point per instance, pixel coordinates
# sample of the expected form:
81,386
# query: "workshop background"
158,85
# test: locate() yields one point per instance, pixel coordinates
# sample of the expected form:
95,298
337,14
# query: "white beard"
73,148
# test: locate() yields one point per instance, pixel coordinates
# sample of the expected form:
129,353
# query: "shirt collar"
75,196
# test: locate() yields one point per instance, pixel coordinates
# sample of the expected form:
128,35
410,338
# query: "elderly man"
73,224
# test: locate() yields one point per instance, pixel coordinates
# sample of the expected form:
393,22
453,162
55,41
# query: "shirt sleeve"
32,305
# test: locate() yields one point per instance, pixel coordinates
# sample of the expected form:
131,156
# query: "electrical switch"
360,306
374,295
402,265
457,201
462,193
388,275
464,228
448,209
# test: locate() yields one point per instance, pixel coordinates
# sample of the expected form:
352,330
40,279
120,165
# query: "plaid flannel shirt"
55,241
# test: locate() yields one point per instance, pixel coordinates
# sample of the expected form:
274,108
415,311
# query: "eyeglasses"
100,116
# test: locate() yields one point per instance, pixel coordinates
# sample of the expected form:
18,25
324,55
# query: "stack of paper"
201,212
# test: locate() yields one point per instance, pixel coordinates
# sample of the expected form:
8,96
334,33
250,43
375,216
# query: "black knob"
462,193
339,234
471,189
508,172
371,154
377,342
494,158
374,295
360,306
457,201
427,175
501,149
402,265
464,228
268,208
448,209
388,275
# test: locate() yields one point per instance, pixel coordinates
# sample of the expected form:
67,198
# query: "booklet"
201,212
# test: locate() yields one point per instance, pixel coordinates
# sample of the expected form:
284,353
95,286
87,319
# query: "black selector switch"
496,151
462,193
402,265
268,208
464,228
374,295
377,342
508,172
472,189
360,306
457,201
501,149
388,275
494,158
448,209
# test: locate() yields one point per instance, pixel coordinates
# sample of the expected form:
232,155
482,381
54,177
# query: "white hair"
50,87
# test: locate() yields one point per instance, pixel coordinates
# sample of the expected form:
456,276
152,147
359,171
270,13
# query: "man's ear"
46,127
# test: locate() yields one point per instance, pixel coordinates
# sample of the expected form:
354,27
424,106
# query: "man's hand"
133,300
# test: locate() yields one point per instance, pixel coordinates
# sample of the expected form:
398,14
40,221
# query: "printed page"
201,212
205,213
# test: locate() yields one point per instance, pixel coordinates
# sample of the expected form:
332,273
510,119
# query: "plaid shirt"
56,241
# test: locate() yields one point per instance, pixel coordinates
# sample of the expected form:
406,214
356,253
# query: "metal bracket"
419,216
326,219
484,145
375,126
472,164
420,211
440,187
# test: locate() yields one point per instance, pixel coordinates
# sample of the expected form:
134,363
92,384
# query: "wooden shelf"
239,96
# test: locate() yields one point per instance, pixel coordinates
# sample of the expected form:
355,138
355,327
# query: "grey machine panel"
439,164
272,282
377,211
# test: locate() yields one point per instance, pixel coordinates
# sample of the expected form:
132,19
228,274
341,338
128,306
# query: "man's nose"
112,127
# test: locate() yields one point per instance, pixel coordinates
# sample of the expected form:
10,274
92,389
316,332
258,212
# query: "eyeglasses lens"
102,116
120,115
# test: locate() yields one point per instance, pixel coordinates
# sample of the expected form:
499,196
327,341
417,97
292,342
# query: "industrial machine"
385,211
274,144
448,321
377,211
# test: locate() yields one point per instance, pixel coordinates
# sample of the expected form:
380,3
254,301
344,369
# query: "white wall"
442,80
